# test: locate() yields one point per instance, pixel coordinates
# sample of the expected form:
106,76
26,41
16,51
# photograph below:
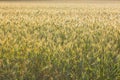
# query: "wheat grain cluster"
42,41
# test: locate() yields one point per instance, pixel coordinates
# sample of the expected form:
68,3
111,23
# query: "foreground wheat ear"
59,41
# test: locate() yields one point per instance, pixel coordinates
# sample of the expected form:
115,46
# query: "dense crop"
59,42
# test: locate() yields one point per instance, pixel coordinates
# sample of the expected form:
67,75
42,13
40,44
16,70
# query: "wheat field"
59,41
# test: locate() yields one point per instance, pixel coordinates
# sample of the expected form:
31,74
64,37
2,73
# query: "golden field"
59,41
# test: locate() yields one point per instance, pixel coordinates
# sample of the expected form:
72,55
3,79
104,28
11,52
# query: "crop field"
59,41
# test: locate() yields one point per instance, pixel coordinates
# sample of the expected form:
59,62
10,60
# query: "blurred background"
59,0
